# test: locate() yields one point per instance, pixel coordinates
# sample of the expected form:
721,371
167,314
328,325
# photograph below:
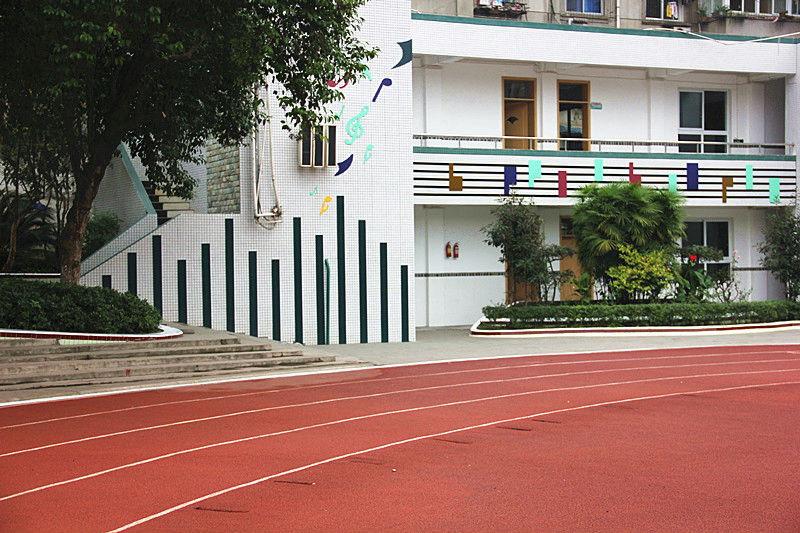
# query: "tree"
781,249
610,216
163,77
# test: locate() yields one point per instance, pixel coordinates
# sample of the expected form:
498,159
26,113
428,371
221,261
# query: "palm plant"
27,238
610,216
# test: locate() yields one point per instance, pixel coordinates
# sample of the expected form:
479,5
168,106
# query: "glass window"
652,9
714,111
694,234
518,89
714,234
703,117
717,236
585,6
573,92
736,5
331,146
691,106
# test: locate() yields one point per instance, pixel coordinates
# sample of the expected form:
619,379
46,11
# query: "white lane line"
363,417
373,395
313,372
429,436
376,380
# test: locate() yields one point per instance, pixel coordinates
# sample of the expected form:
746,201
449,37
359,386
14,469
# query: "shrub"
641,275
100,229
655,314
36,305
781,249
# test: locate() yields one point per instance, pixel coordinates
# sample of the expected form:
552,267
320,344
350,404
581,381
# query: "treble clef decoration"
354,127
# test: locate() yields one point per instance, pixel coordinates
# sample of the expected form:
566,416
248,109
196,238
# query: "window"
585,6
661,9
703,117
712,233
319,149
765,7
573,114
519,113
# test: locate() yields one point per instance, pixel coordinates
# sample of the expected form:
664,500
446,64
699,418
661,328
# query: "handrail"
786,148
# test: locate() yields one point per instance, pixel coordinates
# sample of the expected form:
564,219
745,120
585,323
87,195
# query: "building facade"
346,240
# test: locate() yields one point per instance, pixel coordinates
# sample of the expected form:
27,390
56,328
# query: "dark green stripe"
404,302
384,294
132,272
183,314
298,284
253,277
157,291
229,288
205,261
340,264
320,268
106,281
276,300
362,277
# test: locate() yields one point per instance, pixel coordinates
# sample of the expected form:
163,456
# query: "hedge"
655,314
43,306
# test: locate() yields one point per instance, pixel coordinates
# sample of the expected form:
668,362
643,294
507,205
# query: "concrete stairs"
166,207
40,364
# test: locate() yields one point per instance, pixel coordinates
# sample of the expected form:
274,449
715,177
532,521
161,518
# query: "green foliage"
584,285
517,231
36,305
726,287
641,276
655,314
694,284
781,249
102,227
616,214
35,239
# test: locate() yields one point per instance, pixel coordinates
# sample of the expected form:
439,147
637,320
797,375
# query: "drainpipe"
616,10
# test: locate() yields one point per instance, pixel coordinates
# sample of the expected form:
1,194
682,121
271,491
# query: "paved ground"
676,439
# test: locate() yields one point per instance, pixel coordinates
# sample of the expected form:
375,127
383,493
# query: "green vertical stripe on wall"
252,276
340,270
229,286
205,262
384,293
298,284
748,184
320,270
157,277
276,299
132,272
404,302
183,314
362,278
106,281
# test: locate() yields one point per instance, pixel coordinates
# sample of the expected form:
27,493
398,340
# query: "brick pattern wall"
222,171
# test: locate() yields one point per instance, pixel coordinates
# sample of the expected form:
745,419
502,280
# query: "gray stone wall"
222,178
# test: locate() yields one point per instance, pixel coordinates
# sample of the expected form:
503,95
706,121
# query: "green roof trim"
608,155
594,29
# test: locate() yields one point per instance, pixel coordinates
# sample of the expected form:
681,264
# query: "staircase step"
53,348
130,351
148,372
15,342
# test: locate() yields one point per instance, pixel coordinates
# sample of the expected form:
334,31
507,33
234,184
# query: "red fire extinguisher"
448,250
455,250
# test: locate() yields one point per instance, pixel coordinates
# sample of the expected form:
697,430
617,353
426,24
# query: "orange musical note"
325,204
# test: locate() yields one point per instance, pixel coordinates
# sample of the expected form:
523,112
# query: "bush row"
656,314
43,306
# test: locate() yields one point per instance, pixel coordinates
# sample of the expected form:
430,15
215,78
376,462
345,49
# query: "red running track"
691,439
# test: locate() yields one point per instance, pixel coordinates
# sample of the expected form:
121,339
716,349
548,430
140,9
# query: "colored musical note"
534,171
405,46
562,183
633,178
325,204
726,182
509,178
598,170
354,128
332,83
387,82
315,191
673,183
692,176
340,114
456,183
367,73
368,152
344,165
748,177
775,190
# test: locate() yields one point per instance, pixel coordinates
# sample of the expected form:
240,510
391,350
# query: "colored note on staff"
598,170
632,176
534,171
774,190
692,176
456,183
562,183
726,182
673,183
749,177
509,178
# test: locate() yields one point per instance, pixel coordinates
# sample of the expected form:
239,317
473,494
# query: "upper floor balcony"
473,170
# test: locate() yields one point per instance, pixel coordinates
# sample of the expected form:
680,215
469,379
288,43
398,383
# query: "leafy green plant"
694,284
27,238
100,229
781,249
641,276
584,285
36,305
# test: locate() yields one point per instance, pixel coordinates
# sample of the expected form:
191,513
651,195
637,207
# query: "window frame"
702,132
533,100
583,7
757,8
726,260
663,10
327,142
587,118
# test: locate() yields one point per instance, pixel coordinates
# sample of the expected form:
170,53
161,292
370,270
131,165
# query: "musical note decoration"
455,183
314,192
534,171
692,176
325,204
344,165
354,128
726,182
368,152
405,46
598,170
385,82
509,178
748,178
562,183
774,190
632,176
673,183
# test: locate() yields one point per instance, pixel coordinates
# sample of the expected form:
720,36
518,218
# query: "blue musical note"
387,82
344,165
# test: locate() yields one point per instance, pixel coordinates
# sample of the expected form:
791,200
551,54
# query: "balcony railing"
602,145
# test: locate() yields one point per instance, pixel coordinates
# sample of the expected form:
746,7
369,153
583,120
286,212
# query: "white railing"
600,145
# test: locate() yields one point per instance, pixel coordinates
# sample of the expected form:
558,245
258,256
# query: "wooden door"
567,238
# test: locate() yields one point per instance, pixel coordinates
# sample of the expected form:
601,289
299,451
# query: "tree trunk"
12,244
75,226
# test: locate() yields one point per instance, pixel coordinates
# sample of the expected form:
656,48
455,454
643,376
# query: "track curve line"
429,436
370,416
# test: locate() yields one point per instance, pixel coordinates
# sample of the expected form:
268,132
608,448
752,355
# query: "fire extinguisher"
448,250
455,251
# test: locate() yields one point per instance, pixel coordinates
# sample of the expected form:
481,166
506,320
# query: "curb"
637,330
167,332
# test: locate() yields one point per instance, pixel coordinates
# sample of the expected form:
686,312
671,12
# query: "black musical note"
387,82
